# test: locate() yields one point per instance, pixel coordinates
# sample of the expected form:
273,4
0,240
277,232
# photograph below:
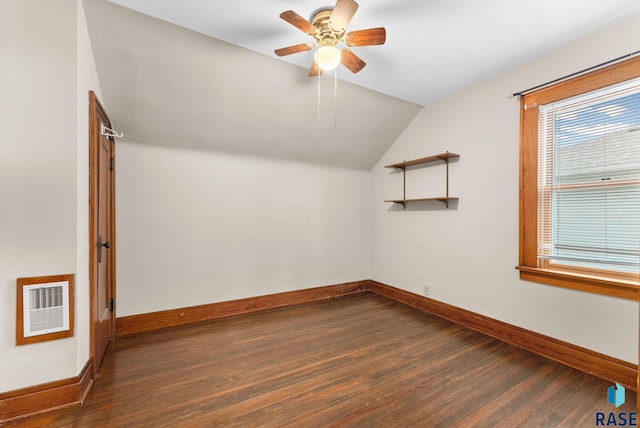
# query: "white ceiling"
165,85
202,75
433,48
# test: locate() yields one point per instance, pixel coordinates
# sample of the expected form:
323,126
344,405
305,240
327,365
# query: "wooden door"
102,232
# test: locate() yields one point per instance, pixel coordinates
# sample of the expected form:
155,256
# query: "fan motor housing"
325,35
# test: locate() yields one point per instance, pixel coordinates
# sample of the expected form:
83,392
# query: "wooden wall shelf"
434,158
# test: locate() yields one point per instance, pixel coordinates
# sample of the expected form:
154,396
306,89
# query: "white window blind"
589,179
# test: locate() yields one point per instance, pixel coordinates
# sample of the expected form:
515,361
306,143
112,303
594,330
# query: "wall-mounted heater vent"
45,308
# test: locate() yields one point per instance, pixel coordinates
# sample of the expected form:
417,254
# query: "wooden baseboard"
85,380
174,317
585,360
73,391
594,363
46,397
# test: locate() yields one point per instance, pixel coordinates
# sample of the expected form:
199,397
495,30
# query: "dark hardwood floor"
361,361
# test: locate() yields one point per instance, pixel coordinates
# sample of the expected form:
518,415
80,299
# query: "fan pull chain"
335,99
318,97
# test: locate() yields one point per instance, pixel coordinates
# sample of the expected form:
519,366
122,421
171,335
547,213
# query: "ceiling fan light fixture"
328,27
327,57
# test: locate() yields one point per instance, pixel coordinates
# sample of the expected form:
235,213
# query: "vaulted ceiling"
202,74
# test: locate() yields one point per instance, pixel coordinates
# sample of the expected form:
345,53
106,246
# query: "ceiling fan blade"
293,49
314,71
342,14
352,61
370,37
299,22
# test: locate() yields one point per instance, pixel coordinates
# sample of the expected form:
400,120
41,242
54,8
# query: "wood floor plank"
356,361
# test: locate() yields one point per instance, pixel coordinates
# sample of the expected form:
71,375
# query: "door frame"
94,144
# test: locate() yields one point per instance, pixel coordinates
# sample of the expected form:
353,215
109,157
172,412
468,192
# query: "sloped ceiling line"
169,86
207,71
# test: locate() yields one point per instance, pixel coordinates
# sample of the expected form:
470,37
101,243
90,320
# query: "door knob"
106,245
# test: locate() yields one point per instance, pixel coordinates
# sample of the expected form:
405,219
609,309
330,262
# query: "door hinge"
110,164
111,304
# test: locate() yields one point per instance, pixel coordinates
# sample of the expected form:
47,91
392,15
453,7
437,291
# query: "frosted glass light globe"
327,57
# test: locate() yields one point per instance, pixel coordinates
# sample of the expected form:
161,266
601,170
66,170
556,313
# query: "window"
580,182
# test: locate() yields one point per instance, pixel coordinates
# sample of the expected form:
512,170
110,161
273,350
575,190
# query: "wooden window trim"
530,267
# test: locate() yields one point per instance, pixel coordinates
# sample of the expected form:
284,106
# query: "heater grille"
45,308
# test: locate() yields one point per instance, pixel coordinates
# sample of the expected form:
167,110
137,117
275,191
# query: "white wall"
47,71
38,170
467,255
197,227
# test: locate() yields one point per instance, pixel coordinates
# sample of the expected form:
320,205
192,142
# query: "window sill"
589,283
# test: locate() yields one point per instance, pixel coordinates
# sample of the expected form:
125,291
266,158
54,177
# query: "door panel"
102,225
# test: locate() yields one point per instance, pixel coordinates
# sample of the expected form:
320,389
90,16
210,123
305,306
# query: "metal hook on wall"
110,132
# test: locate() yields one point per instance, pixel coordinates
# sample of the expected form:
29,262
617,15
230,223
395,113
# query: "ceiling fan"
328,28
